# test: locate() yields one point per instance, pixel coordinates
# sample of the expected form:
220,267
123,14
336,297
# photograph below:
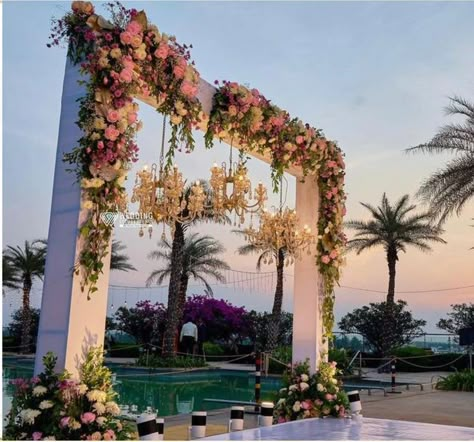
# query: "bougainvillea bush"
306,395
221,318
54,406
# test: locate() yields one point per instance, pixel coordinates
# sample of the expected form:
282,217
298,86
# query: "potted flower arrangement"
53,406
306,395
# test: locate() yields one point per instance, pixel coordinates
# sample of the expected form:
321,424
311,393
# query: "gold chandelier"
239,200
161,193
279,230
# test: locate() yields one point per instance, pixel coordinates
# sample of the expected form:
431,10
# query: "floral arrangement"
53,406
123,59
304,395
127,58
245,117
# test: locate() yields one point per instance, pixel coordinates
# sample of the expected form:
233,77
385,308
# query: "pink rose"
37,435
87,418
306,405
232,110
332,164
281,420
100,145
333,254
325,259
328,194
64,422
328,397
126,37
111,133
179,71
162,51
134,27
128,62
318,402
299,139
109,435
113,116
126,75
188,89
132,117
35,380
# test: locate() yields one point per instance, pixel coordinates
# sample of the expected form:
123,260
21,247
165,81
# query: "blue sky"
374,76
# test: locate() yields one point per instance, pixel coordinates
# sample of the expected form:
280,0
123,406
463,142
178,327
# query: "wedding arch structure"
70,321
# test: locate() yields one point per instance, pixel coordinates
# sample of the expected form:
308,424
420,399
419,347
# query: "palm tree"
269,256
118,260
394,228
199,261
450,188
28,263
174,312
10,279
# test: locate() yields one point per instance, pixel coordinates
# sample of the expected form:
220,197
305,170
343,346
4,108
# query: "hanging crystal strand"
163,234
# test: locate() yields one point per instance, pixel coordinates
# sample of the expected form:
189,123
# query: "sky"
375,76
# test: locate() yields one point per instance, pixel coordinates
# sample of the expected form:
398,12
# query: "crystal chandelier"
160,192
239,198
279,230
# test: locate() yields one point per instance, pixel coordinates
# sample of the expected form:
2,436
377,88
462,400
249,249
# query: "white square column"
69,323
307,298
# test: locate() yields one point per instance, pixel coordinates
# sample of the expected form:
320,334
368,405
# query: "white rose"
44,405
281,401
283,390
304,386
101,421
334,381
297,406
39,390
304,377
293,387
320,387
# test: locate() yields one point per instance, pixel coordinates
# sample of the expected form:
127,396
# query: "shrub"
156,361
341,357
459,381
16,327
409,351
211,349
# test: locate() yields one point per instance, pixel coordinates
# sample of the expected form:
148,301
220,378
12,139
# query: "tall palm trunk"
183,288
172,318
26,317
392,262
274,326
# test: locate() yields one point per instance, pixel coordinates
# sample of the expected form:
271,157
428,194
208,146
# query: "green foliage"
211,349
461,316
341,357
93,371
410,351
459,381
16,327
156,361
450,188
386,326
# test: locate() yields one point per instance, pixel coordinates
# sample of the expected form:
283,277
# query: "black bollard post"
393,370
258,376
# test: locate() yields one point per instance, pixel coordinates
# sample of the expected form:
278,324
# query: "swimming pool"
170,393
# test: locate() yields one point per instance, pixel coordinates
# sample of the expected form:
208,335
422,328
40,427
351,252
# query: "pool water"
170,394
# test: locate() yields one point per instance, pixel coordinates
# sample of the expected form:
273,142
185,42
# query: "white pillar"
307,317
69,323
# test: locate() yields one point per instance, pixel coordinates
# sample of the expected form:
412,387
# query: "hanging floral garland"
123,59
252,122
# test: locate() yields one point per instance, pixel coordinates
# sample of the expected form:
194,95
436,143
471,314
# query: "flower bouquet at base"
53,406
306,395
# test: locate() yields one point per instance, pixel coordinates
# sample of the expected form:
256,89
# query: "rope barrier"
431,367
278,361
